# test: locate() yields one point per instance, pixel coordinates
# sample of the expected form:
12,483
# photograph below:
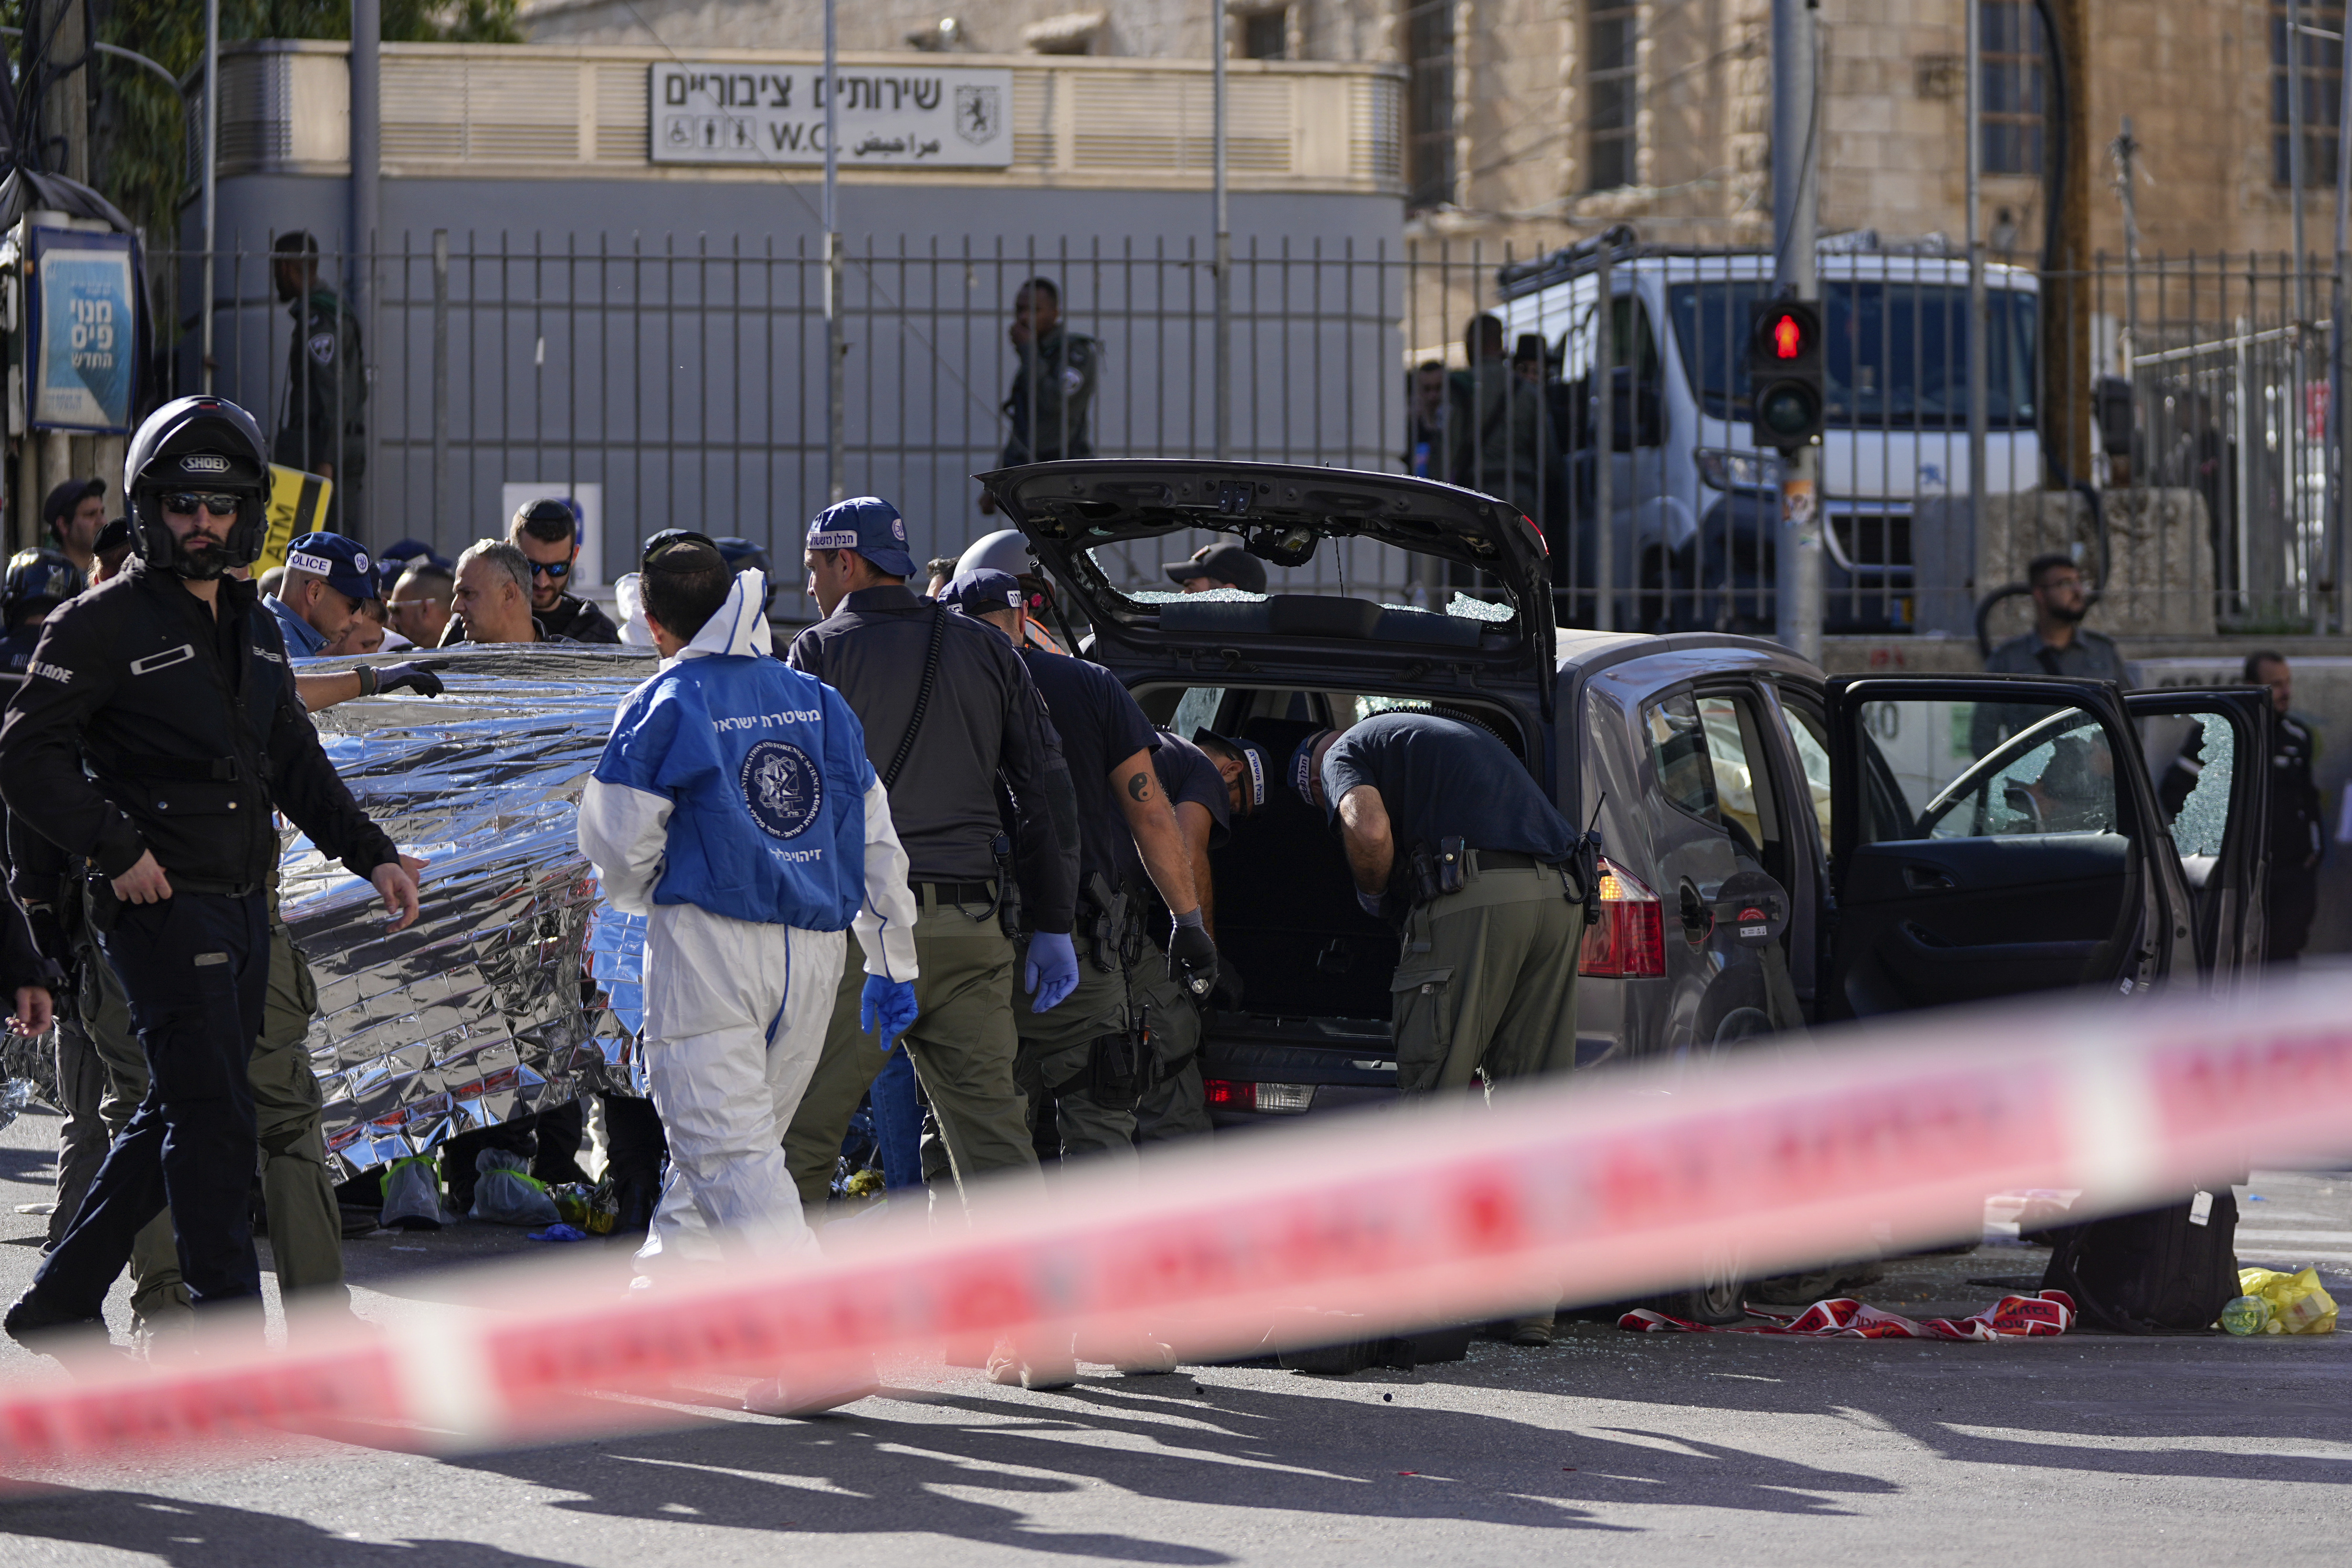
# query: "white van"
1693,499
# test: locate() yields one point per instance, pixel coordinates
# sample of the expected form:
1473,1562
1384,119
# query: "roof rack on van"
1570,262
1522,278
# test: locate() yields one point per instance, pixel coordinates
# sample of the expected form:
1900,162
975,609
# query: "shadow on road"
208,1535
868,1472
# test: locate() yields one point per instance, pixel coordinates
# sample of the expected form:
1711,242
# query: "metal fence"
681,381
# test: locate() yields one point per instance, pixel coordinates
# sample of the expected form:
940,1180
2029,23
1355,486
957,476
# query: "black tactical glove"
1227,993
377,679
1192,957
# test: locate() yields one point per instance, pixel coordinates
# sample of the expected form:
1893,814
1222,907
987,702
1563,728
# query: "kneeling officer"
156,730
1439,817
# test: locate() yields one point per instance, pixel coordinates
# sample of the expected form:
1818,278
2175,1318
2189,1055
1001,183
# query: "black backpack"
2154,1272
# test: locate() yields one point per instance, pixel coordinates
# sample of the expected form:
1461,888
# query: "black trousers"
195,969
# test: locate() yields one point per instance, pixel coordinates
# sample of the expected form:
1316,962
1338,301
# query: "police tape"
1593,1188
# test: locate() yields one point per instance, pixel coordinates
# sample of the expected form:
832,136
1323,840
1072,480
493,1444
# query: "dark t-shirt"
1100,726
1440,779
575,619
1187,773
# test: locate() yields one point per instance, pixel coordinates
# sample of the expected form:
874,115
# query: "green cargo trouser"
1176,1105
1487,980
82,1140
306,1238
963,1046
1057,1061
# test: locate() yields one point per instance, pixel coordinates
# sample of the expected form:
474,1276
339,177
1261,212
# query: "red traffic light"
1788,336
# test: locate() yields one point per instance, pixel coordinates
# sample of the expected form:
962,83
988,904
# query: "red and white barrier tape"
1597,1187
2041,1315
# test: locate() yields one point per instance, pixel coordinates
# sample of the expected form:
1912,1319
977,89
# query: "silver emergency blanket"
516,989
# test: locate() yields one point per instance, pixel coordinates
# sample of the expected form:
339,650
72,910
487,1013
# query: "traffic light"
1784,372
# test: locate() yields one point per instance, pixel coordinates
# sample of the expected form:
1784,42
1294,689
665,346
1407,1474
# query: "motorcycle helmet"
1005,551
38,581
202,445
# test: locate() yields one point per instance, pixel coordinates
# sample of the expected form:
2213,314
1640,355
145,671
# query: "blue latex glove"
892,1003
1052,972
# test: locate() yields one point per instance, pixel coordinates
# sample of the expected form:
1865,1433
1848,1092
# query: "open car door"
1994,834
2208,753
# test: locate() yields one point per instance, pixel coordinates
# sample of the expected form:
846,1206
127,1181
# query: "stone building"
1532,123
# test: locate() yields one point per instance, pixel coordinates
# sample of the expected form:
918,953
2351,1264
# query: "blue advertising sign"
84,333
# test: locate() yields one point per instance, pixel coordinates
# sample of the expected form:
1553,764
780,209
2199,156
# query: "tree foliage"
141,131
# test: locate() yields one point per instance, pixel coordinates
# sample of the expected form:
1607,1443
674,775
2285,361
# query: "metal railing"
685,377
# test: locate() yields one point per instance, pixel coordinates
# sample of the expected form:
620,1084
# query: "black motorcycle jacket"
146,723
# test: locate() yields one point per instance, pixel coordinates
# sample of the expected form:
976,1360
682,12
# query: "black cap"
69,495
981,590
115,535
1228,563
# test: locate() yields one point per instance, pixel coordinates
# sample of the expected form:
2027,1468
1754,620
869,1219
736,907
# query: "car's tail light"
1627,938
1231,1094
1224,1094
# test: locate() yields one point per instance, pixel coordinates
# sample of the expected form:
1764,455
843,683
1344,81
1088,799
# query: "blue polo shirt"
302,639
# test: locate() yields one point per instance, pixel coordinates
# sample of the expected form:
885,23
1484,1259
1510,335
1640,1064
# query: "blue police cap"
343,563
1302,765
868,525
1255,765
982,590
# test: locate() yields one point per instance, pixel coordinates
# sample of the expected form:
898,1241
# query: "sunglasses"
559,569
186,502
669,536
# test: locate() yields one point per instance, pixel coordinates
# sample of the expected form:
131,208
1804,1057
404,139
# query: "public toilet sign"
951,117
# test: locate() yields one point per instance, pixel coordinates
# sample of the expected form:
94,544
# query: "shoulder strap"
922,699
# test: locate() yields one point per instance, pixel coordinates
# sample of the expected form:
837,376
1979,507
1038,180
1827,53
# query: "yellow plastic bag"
2298,1304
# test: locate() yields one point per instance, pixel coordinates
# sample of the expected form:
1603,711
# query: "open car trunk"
1312,1029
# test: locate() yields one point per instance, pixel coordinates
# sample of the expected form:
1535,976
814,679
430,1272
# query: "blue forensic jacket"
736,783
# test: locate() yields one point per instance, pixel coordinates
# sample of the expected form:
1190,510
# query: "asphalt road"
1607,1448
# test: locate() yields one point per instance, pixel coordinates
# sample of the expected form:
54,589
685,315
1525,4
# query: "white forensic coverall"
735,807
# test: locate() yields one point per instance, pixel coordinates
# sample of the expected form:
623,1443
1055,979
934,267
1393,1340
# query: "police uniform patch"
783,788
322,347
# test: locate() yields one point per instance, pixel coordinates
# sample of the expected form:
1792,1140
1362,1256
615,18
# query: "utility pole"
367,123
1798,599
64,130
212,173
836,346
2337,564
2295,51
1972,121
1223,276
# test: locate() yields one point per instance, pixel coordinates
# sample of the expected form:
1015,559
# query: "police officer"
947,708
321,429
1082,1054
38,581
2297,839
1053,389
157,730
1206,800
1443,826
